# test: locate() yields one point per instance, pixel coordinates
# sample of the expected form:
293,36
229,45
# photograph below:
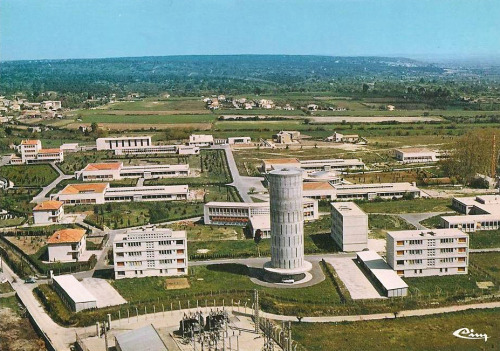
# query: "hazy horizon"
415,29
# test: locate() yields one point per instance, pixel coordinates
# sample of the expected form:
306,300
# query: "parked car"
30,280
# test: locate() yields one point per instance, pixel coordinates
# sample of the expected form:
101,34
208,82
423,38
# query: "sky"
60,29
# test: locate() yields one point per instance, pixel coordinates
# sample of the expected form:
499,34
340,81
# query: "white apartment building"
481,213
117,171
349,226
255,214
122,142
416,155
309,166
32,152
201,140
421,253
67,245
150,252
48,212
100,193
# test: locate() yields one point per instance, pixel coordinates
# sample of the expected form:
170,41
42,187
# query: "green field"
404,334
488,262
407,206
379,224
29,175
484,239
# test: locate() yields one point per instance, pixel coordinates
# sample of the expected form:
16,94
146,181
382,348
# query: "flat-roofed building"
137,339
349,192
349,226
340,165
332,177
421,253
416,155
100,193
116,143
242,214
74,295
287,137
117,171
48,212
201,140
344,138
150,252
239,140
381,275
32,152
159,149
147,193
481,213
67,245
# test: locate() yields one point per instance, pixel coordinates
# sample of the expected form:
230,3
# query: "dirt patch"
17,333
176,283
29,244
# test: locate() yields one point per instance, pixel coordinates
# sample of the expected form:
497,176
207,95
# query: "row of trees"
473,153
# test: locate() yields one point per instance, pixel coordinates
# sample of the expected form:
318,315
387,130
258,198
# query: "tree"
257,239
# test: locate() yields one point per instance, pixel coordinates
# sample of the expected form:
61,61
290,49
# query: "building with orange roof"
318,190
32,152
67,245
48,212
82,193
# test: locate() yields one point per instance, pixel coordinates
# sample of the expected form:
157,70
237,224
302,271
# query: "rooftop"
317,186
66,236
381,270
84,188
48,205
150,232
103,166
415,150
429,233
48,151
348,208
145,338
30,142
280,161
75,290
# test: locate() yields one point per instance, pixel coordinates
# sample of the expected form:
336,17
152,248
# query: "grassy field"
483,239
202,232
384,177
405,334
12,222
29,175
489,262
5,288
407,206
18,200
379,224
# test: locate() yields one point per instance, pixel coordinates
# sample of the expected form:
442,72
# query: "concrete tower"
287,226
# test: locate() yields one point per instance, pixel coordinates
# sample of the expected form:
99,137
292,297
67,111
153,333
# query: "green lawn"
488,262
380,224
407,206
149,118
483,239
442,285
18,200
404,334
12,222
29,175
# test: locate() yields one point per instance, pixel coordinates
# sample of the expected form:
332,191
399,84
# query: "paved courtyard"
105,294
355,281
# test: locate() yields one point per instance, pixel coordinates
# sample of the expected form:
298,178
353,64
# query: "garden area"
29,175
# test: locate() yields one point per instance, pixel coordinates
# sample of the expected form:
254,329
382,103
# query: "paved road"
494,249
42,195
416,218
242,184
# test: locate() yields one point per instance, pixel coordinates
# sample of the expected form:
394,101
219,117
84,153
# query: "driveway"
42,196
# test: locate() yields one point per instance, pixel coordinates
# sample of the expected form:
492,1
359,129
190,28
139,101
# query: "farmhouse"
67,245
48,212
345,138
150,252
422,253
117,171
287,137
